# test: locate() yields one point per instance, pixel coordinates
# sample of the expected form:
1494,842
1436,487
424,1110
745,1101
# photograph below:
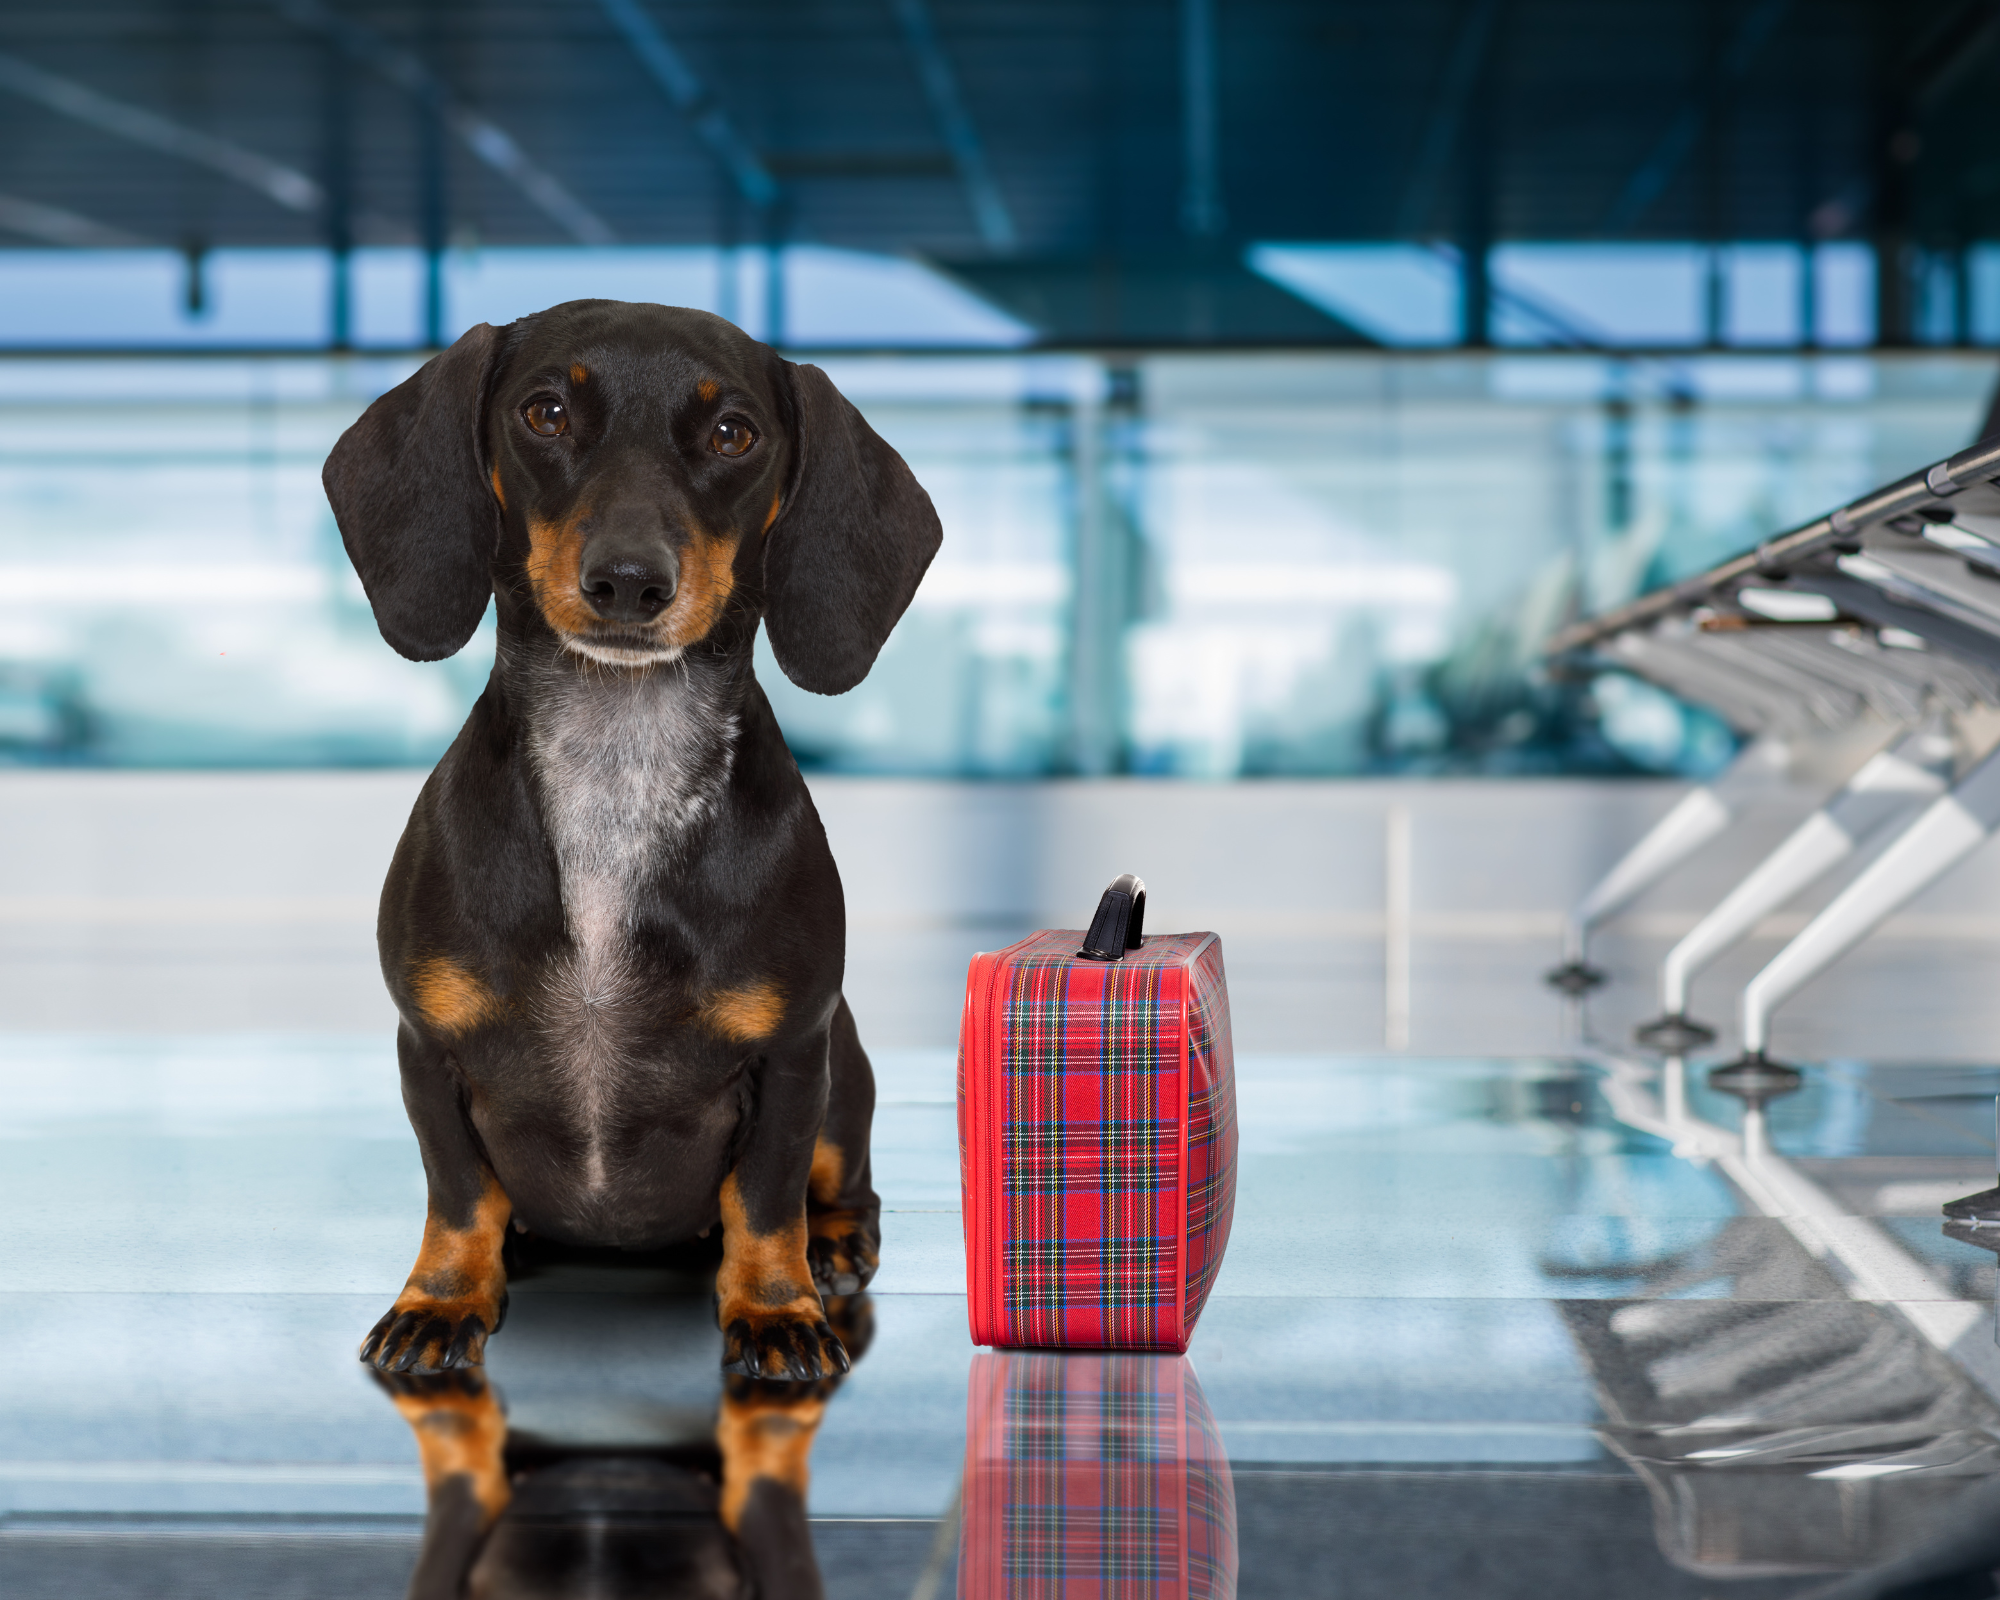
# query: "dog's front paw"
781,1344
422,1334
852,1318
843,1250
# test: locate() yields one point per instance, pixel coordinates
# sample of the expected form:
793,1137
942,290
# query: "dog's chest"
627,771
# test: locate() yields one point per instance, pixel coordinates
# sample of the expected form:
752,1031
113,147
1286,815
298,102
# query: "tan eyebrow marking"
751,1012
451,999
577,373
708,388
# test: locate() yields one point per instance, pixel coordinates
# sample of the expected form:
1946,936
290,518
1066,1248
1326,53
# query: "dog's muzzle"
629,584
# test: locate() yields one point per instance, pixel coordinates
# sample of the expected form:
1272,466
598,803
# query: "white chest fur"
626,767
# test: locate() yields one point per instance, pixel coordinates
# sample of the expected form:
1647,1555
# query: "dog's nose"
624,587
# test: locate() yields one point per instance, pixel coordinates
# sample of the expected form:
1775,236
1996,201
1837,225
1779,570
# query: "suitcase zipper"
989,1196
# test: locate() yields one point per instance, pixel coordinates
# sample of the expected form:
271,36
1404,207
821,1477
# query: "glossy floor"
1487,1327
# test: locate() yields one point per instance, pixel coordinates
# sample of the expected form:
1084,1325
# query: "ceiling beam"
1932,72
1469,50
1650,178
955,125
284,185
53,225
667,67
1201,129
1939,66
489,143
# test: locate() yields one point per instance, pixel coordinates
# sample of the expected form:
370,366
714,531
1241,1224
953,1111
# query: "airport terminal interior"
1491,508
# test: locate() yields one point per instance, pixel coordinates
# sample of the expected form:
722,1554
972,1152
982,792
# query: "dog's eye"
732,437
546,415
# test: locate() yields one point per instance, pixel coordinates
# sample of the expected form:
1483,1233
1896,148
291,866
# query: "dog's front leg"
457,1292
844,1217
462,1442
773,1325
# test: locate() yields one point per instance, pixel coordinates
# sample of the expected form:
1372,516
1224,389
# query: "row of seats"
1862,648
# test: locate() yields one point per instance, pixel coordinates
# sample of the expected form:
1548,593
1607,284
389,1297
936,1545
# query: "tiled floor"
1487,1327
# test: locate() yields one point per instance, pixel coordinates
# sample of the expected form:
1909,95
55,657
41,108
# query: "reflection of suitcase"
1097,1133
1093,1477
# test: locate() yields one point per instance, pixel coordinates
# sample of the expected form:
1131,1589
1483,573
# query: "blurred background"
1284,376
1283,373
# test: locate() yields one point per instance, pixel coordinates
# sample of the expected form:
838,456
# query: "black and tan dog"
714,1516
613,929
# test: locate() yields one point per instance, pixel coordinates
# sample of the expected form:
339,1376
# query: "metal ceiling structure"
1103,136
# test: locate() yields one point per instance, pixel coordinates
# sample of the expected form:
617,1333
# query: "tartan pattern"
1097,1081
1211,1502
1100,1452
1211,1139
1094,1478
1092,1097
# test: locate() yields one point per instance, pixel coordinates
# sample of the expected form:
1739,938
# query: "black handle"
1121,916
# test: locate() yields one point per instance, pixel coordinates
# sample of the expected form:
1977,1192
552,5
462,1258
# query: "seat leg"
1698,818
1943,834
1886,792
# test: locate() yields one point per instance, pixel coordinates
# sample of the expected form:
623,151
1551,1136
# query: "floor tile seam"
1415,1424
77,1521
338,1296
1610,1471
240,1294
130,1468
376,1298
1431,1222
408,1531
167,959
303,1296
1984,1302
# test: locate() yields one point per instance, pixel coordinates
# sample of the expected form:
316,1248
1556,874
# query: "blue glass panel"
1205,565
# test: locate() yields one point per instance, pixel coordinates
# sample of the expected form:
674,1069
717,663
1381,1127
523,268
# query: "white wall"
204,902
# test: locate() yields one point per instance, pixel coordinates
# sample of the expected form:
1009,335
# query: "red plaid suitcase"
1093,1478
1097,1133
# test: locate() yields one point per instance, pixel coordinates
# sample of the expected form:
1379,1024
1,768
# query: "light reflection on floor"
1475,1333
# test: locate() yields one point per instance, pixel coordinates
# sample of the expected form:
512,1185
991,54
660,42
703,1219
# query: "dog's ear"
850,545
408,487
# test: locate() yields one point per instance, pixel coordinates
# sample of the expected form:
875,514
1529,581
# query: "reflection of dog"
613,928
510,1516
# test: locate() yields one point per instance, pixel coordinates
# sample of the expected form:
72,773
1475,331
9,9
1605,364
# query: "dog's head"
637,480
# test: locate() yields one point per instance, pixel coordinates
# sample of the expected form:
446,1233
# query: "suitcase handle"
1121,915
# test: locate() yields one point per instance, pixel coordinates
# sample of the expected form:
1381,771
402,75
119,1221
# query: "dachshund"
717,1514
613,930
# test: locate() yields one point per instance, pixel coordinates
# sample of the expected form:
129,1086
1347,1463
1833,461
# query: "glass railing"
1207,565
